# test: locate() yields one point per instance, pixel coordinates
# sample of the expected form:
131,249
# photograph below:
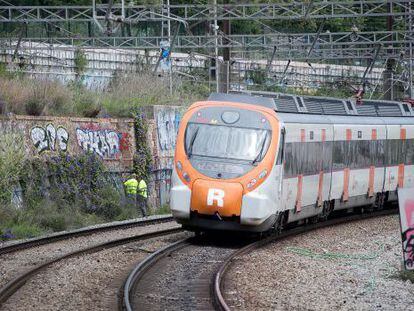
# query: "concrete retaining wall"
111,139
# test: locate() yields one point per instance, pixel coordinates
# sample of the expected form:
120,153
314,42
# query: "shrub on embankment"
23,95
60,193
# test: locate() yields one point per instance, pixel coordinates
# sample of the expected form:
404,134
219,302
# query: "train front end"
223,176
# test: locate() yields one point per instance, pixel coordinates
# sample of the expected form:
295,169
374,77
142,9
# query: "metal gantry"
395,43
202,12
292,46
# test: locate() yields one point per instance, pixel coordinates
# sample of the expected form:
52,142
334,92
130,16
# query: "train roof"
331,119
320,106
244,99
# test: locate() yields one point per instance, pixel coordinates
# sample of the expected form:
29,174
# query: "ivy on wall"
143,156
80,62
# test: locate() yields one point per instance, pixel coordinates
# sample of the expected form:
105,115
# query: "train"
256,162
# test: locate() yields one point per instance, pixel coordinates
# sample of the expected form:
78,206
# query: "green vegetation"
80,62
59,193
143,156
405,275
123,97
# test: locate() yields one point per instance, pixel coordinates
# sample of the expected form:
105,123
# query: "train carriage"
254,163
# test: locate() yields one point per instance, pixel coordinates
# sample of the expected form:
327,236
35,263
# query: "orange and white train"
255,163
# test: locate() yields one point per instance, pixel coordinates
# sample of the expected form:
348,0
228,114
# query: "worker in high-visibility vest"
142,197
136,193
131,186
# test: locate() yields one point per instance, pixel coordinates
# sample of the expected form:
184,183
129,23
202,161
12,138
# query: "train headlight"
251,183
230,117
186,177
179,166
254,181
263,174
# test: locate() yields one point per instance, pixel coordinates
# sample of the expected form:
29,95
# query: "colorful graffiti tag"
168,121
406,207
103,142
45,138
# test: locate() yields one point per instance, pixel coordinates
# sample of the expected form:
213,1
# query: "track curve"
220,302
14,247
179,274
13,286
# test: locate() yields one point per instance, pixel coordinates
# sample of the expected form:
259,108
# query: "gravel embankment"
15,263
87,282
348,267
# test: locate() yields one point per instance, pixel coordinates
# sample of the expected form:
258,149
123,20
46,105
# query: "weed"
405,275
12,157
80,62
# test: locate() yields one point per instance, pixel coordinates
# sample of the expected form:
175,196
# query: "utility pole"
171,44
216,53
225,76
388,87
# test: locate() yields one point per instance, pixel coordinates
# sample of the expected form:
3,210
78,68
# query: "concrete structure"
113,140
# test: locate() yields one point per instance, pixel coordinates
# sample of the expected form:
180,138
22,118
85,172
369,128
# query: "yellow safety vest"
143,188
131,186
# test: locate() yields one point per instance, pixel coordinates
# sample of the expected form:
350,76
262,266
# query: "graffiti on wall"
49,138
168,121
103,142
406,207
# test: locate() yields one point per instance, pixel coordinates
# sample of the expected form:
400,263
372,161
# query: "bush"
35,97
124,96
61,193
12,157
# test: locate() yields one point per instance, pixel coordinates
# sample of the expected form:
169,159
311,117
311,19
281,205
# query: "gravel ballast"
352,266
15,263
182,279
86,282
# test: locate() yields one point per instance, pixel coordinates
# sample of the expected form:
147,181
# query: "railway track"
10,248
179,273
18,281
219,277
189,274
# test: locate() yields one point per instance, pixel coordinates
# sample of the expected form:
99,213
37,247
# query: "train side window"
339,155
280,155
288,167
393,149
402,152
410,152
327,156
406,109
377,153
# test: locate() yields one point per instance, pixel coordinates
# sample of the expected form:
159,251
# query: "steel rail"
219,300
14,285
82,232
138,272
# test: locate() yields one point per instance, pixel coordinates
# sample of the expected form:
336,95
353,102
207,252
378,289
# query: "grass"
163,210
47,217
26,96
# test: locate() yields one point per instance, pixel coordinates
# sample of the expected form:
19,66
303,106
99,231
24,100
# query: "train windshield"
226,142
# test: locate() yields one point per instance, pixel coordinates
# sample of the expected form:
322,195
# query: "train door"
395,168
409,157
279,164
307,169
